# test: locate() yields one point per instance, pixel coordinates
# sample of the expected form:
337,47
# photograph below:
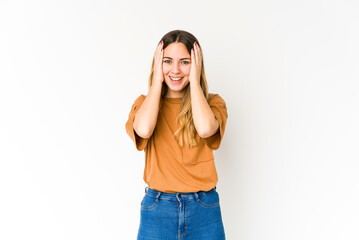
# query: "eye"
166,61
185,62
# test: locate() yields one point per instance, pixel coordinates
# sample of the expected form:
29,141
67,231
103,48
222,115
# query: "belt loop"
196,196
180,205
158,195
146,189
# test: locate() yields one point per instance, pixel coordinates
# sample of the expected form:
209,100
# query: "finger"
161,54
192,56
199,53
199,50
195,52
198,47
158,48
160,60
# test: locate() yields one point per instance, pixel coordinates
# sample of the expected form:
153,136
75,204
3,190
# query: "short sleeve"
140,142
219,109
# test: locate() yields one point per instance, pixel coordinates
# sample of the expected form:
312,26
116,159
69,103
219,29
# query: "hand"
157,68
196,64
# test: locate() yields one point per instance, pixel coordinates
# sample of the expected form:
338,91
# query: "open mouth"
176,79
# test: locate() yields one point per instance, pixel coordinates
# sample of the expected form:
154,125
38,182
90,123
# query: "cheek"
165,68
186,69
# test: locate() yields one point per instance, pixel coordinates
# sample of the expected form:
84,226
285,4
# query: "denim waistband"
179,195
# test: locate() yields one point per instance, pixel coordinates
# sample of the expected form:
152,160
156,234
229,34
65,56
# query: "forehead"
176,50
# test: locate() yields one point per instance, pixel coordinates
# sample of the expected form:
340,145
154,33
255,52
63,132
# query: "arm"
146,116
204,120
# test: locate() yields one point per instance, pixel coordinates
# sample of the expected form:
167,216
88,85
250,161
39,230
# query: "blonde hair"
186,133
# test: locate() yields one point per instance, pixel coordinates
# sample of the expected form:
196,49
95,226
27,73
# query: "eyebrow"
180,59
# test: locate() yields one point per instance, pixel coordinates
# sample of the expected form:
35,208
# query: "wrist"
195,83
156,87
156,84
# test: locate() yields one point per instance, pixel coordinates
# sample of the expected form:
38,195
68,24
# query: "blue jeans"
181,216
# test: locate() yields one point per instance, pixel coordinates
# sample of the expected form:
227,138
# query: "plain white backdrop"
70,71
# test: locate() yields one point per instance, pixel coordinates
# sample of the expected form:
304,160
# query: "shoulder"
215,98
140,98
138,102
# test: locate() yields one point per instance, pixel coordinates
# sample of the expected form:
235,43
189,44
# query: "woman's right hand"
157,68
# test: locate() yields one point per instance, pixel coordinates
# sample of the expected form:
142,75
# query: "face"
176,65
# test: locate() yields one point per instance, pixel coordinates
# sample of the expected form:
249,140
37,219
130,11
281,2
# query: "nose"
175,69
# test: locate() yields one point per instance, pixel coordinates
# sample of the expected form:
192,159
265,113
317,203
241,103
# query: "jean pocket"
148,202
209,200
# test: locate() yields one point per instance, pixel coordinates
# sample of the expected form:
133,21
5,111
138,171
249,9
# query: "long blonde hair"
186,134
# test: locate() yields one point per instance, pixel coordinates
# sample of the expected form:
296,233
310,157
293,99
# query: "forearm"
204,120
146,116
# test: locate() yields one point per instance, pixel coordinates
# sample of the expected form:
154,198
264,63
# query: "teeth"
175,79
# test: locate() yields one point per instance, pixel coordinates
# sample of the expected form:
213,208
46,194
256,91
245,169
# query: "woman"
178,124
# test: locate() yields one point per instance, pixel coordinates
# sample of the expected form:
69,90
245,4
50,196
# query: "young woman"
178,125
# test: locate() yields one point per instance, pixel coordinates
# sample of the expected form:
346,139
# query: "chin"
177,88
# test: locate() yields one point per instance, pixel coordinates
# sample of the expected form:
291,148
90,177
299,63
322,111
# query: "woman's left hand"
196,64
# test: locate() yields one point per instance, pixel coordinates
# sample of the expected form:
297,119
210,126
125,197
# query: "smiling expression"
176,67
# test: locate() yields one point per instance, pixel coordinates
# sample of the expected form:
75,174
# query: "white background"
288,71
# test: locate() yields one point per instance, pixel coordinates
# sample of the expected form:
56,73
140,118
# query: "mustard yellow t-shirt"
169,167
